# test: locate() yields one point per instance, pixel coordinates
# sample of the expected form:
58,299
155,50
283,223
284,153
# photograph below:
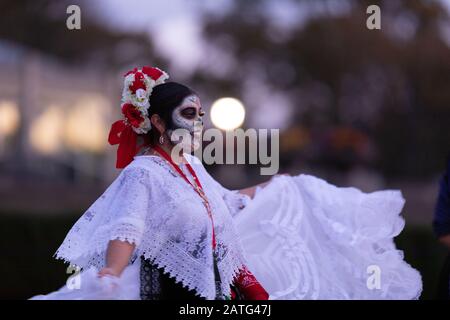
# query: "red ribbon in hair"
123,134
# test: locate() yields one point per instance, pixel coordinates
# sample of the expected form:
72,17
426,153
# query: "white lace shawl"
151,205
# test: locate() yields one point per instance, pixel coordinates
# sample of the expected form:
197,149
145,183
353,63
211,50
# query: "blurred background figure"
441,226
356,107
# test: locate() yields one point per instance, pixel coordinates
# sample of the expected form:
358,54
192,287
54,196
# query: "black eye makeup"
189,112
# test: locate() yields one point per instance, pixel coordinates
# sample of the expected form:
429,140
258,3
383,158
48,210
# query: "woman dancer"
166,229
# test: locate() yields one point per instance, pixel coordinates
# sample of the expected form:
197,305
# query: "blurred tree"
41,25
392,85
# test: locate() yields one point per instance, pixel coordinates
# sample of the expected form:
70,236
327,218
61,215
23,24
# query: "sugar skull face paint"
188,116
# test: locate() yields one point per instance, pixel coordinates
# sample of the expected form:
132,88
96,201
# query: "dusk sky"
175,27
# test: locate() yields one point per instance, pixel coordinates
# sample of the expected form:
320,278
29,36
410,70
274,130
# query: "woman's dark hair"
163,100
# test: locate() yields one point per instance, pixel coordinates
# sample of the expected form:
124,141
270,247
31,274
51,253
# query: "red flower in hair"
153,73
138,82
130,72
132,115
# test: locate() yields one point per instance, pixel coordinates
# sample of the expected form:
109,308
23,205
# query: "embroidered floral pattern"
153,207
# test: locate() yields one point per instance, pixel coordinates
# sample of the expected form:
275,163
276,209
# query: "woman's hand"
110,286
251,190
108,271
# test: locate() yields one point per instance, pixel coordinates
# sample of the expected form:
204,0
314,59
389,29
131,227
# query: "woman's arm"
117,257
250,191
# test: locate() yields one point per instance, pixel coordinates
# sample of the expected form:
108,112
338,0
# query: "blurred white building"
54,118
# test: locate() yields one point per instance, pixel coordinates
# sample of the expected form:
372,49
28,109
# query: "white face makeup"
188,116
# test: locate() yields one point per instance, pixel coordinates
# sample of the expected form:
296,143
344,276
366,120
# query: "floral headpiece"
138,86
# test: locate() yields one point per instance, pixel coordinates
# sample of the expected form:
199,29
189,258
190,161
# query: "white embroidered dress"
301,237
151,205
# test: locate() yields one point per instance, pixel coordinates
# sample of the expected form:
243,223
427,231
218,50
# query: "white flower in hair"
138,86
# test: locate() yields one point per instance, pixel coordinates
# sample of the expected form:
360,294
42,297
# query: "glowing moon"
227,113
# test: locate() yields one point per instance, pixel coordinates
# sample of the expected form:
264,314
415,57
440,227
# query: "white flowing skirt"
304,239
307,239
86,285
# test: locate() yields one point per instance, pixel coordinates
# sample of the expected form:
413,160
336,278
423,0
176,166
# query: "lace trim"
176,263
125,217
